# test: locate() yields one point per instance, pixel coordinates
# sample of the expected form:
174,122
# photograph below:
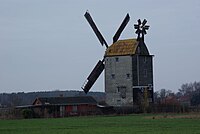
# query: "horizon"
57,90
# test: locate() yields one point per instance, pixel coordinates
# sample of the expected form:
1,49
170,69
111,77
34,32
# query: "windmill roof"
122,47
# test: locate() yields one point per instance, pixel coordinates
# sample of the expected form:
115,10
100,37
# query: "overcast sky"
48,44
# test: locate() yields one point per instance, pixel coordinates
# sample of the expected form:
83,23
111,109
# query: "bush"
27,113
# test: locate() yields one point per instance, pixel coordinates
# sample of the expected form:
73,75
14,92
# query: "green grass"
132,124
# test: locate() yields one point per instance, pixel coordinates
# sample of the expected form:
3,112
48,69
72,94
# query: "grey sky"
48,45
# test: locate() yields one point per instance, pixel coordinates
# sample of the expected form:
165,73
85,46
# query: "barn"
64,106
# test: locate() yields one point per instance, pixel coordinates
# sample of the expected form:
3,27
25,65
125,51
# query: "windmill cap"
122,47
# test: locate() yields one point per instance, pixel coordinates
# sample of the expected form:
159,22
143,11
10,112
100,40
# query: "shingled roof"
65,100
122,47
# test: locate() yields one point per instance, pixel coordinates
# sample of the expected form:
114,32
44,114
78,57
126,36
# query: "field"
131,124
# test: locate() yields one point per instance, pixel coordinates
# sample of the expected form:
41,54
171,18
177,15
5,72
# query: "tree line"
188,96
21,98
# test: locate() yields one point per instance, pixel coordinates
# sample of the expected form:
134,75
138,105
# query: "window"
150,86
118,102
113,76
122,91
118,89
150,99
74,108
127,76
117,59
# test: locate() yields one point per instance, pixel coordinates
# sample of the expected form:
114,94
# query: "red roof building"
64,106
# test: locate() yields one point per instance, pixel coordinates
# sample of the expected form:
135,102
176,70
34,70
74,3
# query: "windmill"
141,28
128,66
98,69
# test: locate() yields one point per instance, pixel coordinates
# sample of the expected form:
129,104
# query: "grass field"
131,124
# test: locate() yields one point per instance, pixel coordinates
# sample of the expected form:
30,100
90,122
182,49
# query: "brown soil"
175,116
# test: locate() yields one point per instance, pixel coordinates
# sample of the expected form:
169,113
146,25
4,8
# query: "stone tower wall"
118,80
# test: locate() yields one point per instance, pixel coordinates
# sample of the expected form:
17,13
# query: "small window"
150,86
122,91
74,108
118,89
150,99
117,59
118,100
127,76
113,76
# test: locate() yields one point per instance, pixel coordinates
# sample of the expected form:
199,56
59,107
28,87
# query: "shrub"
27,113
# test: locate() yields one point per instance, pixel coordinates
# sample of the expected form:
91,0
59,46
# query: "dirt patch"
187,116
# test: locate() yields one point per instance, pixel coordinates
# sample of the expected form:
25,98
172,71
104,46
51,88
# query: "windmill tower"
128,67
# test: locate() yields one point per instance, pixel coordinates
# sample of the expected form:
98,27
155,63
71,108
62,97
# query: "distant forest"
21,98
188,95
